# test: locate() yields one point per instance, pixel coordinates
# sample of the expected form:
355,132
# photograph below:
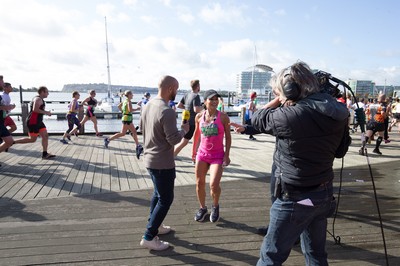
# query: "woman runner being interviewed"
208,151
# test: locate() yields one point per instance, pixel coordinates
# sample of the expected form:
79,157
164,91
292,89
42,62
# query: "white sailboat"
108,104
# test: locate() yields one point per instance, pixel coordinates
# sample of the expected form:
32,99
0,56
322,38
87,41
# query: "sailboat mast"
108,62
254,66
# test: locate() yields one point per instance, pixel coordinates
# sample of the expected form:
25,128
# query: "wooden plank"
106,229
65,182
105,170
66,159
16,175
87,169
121,170
113,170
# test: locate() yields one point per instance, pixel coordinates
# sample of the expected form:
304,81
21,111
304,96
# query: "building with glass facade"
255,79
388,90
362,88
367,88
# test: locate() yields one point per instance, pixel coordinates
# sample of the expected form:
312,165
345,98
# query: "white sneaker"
155,244
164,229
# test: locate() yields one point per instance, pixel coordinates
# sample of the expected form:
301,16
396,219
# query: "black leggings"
72,120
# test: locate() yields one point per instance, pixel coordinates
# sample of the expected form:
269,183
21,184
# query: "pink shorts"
210,158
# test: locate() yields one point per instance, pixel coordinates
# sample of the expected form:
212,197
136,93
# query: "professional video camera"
325,79
325,84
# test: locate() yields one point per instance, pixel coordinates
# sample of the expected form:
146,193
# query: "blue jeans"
163,196
289,220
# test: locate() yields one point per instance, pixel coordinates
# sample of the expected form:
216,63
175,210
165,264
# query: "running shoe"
377,151
69,137
154,244
387,140
106,142
214,216
48,156
99,134
64,141
139,150
201,214
164,229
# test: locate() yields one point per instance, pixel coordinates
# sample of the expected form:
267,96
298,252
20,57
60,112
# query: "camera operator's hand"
274,103
238,128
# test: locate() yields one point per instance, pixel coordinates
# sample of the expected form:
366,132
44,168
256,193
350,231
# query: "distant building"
255,79
361,87
367,88
388,90
396,92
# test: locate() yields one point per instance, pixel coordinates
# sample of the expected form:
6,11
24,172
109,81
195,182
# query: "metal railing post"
243,115
24,115
80,117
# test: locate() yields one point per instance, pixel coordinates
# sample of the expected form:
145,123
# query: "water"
58,126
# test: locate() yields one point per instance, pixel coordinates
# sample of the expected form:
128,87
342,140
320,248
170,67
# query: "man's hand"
185,127
238,128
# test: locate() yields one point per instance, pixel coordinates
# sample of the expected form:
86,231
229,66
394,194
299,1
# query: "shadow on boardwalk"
90,207
105,229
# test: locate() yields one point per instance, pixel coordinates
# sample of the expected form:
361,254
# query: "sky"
57,42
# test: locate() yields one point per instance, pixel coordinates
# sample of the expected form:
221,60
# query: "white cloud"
381,75
149,19
267,52
264,12
197,32
58,43
224,15
184,14
22,19
337,40
105,9
389,53
391,75
280,12
166,2
237,50
131,2
110,11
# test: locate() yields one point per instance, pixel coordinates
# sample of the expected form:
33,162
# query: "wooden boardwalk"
89,206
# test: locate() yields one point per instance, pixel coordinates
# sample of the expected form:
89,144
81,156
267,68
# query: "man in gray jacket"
160,134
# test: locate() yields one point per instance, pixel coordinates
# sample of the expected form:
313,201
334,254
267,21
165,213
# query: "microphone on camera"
185,116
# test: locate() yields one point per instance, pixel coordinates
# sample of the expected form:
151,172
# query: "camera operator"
311,130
